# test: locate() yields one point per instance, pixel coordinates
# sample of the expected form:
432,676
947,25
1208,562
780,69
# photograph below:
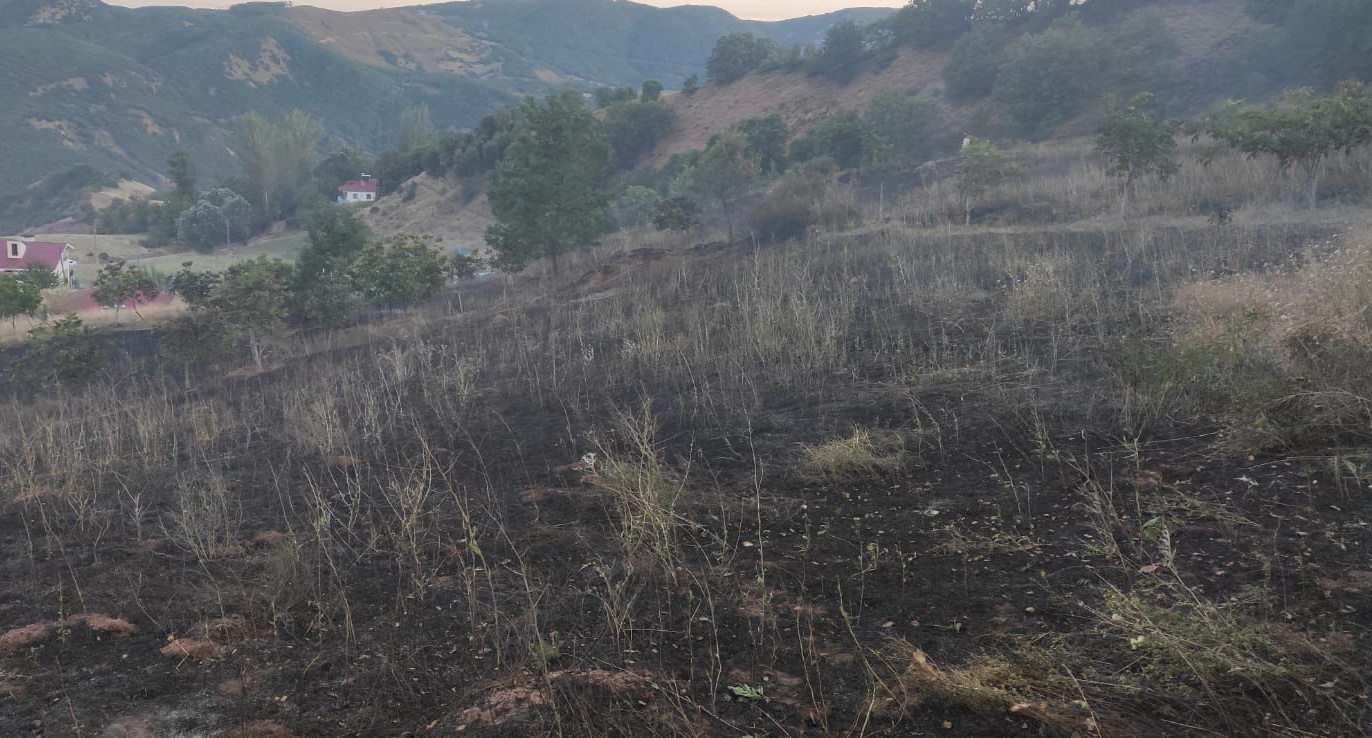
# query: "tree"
1136,144
983,166
118,284
1046,77
40,276
607,96
842,138
690,85
901,129
651,91
766,142
724,172
252,301
635,206
193,287
634,128
18,297
546,195
402,274
221,216
678,213
735,55
275,160
975,61
932,24
64,352
416,129
1302,130
181,172
841,57
321,291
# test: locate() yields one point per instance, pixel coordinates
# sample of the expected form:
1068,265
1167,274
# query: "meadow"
1055,472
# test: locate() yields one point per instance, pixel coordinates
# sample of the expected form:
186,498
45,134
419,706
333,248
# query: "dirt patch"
428,206
403,38
71,138
77,84
271,64
25,637
258,729
127,189
197,649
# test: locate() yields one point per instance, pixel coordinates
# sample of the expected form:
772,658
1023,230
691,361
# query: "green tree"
252,301
194,287
401,274
1303,130
416,129
221,216
119,284
724,172
546,195
932,24
983,166
651,91
901,130
181,172
275,160
607,96
39,276
1135,144
690,85
64,352
735,55
841,57
975,61
766,142
321,291
634,128
842,138
18,297
635,206
677,213
1046,77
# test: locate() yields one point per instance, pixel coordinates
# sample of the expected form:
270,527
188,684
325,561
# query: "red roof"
360,185
46,253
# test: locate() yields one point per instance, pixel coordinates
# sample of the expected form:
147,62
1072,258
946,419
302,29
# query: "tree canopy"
546,195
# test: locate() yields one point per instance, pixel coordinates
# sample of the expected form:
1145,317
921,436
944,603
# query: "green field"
88,248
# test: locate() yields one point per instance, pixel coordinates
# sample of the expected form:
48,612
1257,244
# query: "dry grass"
857,456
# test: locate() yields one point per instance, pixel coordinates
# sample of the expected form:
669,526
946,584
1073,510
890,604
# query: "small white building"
362,189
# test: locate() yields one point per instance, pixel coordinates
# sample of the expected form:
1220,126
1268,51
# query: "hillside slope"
95,94
1202,32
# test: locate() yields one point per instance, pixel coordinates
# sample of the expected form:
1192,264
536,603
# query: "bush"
634,128
975,61
789,209
1047,77
737,54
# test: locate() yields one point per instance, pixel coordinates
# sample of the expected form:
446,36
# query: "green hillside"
94,93
111,92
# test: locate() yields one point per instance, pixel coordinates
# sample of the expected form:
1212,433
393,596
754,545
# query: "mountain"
95,93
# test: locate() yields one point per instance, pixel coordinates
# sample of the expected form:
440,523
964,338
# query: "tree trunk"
1312,183
254,348
1124,197
728,218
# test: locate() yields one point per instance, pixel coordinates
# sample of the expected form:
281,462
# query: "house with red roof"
362,189
19,253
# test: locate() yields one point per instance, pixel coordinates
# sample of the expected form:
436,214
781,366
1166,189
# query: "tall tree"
901,130
1136,144
401,274
119,284
321,291
416,129
845,49
724,172
252,300
546,195
1303,130
767,139
735,55
983,166
18,297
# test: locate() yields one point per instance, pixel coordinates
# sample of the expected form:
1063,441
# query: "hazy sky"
759,9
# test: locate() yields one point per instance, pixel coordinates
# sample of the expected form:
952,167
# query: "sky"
755,9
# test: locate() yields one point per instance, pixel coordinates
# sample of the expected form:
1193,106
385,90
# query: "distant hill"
95,93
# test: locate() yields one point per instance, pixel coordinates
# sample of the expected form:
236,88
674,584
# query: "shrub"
737,54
